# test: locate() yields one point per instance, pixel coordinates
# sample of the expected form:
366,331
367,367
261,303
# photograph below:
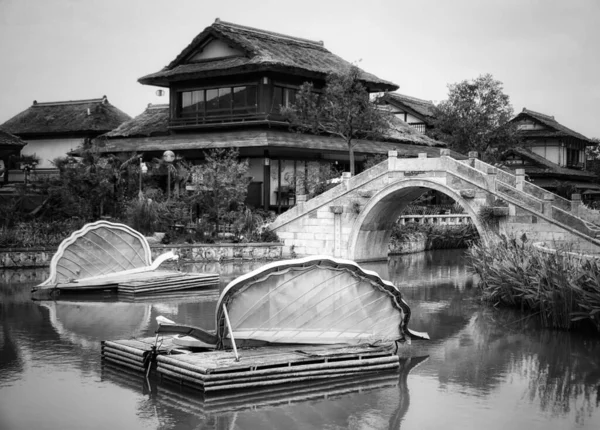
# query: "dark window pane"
244,99
277,99
225,99
212,99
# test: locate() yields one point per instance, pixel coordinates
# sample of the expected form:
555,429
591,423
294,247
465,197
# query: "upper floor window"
218,101
283,97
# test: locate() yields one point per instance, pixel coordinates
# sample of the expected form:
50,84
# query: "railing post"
473,155
444,152
575,204
548,201
520,173
346,178
491,178
337,229
422,155
392,158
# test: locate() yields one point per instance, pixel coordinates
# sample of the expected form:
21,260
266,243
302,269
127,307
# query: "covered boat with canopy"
315,300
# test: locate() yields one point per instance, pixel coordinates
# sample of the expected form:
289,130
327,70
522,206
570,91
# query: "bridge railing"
565,211
450,219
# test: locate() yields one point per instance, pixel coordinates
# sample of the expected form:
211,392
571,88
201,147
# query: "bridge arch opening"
370,234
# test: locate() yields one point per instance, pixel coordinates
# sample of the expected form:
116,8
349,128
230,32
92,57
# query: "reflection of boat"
105,255
314,300
387,392
84,322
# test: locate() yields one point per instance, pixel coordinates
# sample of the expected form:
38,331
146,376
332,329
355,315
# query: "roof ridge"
157,106
70,102
318,43
411,98
525,110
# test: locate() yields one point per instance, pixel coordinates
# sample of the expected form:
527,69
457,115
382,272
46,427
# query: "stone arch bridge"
354,220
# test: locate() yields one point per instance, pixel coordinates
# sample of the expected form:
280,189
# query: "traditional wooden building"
415,112
546,174
54,129
546,137
226,90
10,147
554,156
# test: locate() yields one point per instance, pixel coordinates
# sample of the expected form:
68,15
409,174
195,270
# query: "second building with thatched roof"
53,129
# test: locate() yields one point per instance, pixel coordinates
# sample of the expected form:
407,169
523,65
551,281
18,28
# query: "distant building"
226,91
415,112
54,129
553,155
10,147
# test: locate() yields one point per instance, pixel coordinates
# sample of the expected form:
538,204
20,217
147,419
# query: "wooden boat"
104,255
316,300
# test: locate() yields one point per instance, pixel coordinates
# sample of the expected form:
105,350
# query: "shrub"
562,288
268,235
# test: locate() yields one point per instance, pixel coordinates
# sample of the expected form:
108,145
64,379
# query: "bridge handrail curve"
559,215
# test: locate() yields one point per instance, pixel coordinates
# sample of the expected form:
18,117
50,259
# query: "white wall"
216,49
49,149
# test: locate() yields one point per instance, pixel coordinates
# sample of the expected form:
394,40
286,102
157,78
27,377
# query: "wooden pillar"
266,181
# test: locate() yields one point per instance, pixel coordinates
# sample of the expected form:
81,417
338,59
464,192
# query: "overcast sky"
546,52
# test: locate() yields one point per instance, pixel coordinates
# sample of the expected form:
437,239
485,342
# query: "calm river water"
483,369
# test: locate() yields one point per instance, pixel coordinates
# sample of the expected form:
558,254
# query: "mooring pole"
237,357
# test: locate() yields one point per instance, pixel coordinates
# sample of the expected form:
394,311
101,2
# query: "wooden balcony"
199,121
419,126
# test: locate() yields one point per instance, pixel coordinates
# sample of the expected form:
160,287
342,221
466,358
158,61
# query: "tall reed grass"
562,288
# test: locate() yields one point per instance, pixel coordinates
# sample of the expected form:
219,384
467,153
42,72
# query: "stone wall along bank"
21,258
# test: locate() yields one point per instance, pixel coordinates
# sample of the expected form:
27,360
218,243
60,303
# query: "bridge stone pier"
354,220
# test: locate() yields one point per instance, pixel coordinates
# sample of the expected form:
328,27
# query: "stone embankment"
40,257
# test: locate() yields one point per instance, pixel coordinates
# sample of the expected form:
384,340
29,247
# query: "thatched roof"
553,127
7,139
263,51
400,131
76,117
418,107
153,121
260,138
542,167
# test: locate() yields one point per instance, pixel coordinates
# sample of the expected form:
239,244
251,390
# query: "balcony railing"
419,126
229,118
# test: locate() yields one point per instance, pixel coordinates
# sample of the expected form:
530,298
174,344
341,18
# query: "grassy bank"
562,289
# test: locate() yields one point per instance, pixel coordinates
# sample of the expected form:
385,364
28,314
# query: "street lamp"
168,157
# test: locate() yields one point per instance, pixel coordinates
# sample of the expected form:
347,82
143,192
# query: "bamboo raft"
264,367
138,284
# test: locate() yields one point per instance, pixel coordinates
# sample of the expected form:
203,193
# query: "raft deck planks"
143,283
217,371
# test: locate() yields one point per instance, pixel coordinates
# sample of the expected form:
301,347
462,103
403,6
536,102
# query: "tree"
343,108
593,156
476,118
220,183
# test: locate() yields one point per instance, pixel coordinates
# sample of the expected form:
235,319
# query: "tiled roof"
421,107
264,51
154,121
555,129
261,138
7,139
78,116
